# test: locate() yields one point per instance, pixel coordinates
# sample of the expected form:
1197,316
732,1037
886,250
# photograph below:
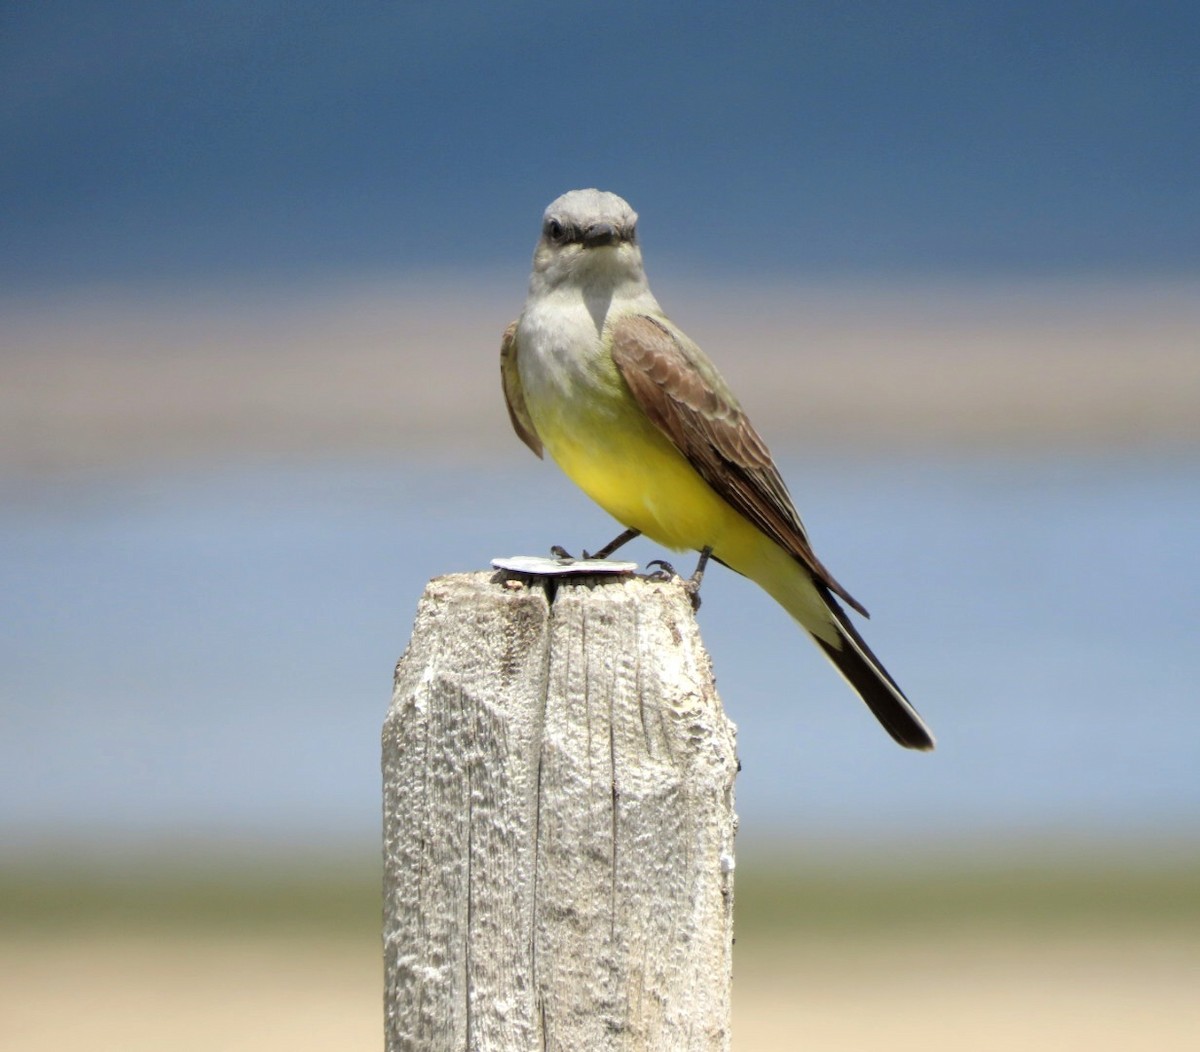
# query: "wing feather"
514,395
681,391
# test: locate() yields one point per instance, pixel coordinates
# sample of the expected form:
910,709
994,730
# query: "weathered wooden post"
558,822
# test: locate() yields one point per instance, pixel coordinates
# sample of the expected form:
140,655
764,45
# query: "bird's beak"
599,234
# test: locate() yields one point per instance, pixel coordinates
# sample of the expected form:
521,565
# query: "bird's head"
589,237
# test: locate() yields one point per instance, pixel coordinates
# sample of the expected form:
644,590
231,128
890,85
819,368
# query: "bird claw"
667,572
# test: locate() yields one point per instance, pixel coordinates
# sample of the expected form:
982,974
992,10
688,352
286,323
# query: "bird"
638,417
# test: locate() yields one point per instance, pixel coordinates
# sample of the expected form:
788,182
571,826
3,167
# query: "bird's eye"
555,231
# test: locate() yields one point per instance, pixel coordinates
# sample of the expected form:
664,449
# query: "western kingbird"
639,418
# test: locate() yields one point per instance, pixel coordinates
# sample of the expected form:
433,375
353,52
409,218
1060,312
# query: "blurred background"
255,260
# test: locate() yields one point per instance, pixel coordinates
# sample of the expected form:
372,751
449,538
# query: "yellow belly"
633,471
628,467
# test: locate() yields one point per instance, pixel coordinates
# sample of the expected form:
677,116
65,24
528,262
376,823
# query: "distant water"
210,654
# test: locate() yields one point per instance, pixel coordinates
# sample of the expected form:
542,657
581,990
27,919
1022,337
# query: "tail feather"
866,674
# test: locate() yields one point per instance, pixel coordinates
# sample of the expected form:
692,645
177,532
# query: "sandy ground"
265,993
1073,994
116,377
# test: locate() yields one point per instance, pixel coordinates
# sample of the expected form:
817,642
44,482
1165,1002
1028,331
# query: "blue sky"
236,139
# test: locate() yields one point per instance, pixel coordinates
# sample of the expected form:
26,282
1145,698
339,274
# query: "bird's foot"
666,572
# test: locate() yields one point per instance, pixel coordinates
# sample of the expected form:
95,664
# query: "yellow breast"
626,465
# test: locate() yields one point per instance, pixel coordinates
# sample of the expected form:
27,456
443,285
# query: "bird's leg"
692,584
559,552
614,544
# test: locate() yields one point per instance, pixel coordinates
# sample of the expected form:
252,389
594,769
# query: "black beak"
599,234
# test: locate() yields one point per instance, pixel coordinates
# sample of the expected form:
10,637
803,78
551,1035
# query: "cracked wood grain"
558,822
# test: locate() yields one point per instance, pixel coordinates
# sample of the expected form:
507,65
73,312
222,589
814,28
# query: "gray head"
588,235
591,218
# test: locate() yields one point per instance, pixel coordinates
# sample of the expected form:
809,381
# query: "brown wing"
514,396
684,395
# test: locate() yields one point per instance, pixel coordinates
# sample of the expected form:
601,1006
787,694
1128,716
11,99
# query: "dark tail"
864,672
